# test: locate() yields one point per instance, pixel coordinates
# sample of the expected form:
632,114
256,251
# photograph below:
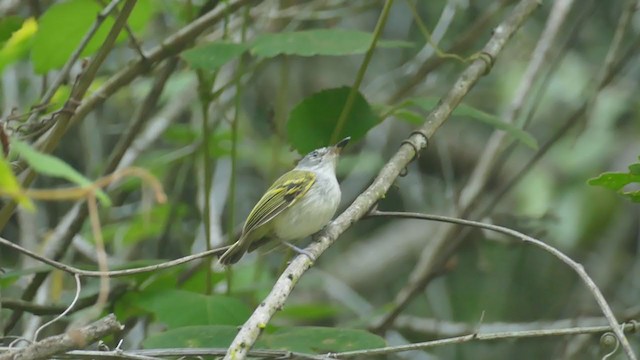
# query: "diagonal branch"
276,299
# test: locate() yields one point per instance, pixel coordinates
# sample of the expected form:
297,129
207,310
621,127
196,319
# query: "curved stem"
576,267
351,98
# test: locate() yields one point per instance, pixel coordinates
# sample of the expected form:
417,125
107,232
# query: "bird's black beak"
342,143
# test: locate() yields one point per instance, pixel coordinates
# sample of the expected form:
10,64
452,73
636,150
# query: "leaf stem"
382,20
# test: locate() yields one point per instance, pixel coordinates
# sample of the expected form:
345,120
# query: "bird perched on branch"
298,204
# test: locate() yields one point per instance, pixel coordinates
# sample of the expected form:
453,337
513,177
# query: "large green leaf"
177,308
213,55
427,103
617,181
52,166
302,339
17,45
204,336
8,25
313,120
322,339
10,186
9,277
64,24
317,42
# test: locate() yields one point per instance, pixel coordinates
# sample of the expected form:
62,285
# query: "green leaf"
333,42
617,181
211,336
10,186
303,339
177,308
64,24
143,225
322,339
409,116
313,120
52,166
212,56
19,43
309,312
8,25
11,276
473,113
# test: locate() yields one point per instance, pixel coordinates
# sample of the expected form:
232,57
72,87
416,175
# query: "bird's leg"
299,251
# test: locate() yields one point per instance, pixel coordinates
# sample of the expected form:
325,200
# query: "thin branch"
38,309
73,339
576,267
114,273
76,296
353,92
626,327
276,299
442,328
464,41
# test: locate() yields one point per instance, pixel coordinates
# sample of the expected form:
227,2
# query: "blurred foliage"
299,61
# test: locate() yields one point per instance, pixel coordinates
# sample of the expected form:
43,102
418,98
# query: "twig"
442,328
360,207
627,327
114,273
38,309
464,41
353,92
73,339
576,267
76,296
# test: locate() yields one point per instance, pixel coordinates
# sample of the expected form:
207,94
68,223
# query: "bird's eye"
314,153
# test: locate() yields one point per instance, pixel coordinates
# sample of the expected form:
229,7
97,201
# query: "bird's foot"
299,250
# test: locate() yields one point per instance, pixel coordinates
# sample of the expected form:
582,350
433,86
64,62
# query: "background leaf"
219,336
322,339
312,121
617,181
333,42
19,42
52,166
177,308
213,55
473,113
11,186
8,25
64,24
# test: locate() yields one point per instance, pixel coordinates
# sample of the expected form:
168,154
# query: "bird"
299,203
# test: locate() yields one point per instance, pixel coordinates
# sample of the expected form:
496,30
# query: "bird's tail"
235,252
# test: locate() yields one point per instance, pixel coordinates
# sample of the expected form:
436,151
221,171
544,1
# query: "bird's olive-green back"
284,192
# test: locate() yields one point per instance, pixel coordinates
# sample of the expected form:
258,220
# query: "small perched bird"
298,204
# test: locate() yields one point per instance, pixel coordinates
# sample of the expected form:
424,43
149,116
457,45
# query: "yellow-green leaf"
52,166
11,187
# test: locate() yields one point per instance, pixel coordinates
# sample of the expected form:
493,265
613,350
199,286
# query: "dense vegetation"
138,132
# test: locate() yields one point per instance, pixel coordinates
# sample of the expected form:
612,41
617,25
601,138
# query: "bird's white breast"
311,213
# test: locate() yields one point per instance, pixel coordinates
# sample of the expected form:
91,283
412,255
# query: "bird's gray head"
324,158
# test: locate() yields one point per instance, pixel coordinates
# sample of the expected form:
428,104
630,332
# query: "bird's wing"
285,191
